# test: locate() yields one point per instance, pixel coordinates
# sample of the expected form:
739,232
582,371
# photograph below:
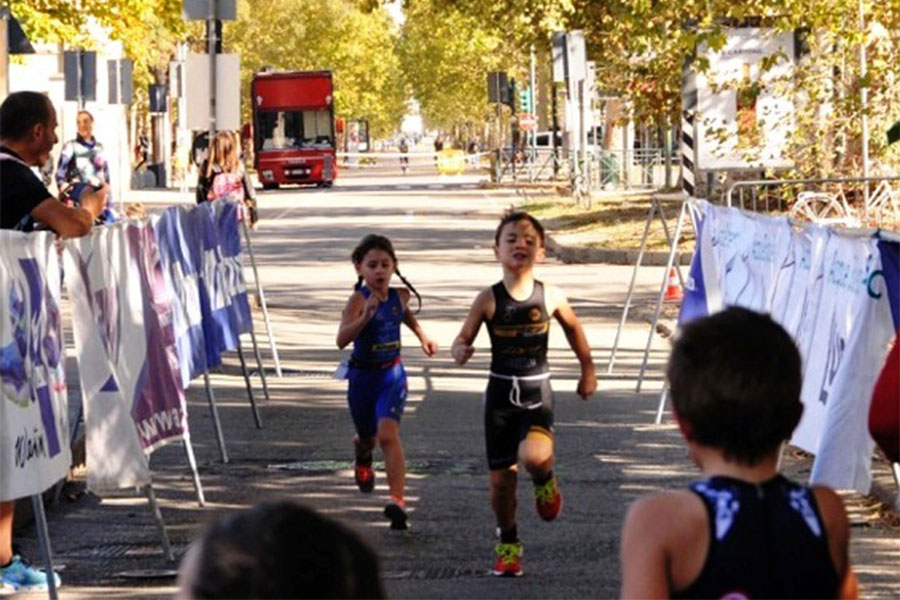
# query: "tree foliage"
446,55
358,46
640,47
148,29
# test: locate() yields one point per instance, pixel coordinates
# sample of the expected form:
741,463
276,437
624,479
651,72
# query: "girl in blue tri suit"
377,390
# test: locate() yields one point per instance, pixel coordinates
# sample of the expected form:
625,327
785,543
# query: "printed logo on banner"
104,307
157,405
836,345
34,445
36,340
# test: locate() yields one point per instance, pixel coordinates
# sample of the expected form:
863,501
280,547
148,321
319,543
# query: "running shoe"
509,560
365,476
397,515
548,499
22,577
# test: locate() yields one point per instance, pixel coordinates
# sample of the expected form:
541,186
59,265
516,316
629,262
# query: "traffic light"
525,101
510,99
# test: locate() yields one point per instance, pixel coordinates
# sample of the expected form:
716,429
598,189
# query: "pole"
864,100
40,519
211,49
533,108
554,108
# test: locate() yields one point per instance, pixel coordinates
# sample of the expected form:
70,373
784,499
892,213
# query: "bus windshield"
283,130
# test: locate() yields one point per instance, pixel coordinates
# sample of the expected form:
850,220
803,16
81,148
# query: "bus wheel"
326,184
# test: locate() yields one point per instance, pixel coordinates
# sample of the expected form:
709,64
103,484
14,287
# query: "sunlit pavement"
608,449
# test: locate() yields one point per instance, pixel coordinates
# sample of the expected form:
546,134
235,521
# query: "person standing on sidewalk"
27,135
82,161
518,417
377,380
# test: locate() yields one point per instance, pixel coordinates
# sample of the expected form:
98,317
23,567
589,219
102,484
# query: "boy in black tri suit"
518,418
745,531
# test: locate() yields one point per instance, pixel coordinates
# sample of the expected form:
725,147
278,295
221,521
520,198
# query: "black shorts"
506,424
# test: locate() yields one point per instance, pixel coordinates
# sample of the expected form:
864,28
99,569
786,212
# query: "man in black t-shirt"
27,135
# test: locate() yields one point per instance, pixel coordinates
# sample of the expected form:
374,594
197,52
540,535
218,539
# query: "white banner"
853,326
34,430
744,253
744,118
125,343
832,295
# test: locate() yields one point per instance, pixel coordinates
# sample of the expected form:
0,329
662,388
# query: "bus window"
283,130
316,128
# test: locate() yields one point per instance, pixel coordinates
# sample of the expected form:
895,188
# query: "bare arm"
837,527
429,346
643,555
67,221
356,315
482,307
559,307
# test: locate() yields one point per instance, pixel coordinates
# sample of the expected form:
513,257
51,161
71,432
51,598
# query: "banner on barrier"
836,299
215,229
125,343
182,277
34,430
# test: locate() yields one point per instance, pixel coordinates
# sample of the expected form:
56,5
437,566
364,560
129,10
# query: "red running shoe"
548,499
509,560
365,477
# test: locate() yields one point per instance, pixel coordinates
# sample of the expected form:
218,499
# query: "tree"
357,45
640,47
148,30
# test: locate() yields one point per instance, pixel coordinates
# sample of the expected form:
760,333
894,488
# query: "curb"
581,255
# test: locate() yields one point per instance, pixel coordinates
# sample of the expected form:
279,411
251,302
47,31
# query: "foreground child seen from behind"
518,416
377,379
744,531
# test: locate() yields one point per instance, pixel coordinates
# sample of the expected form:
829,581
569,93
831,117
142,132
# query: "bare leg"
394,462
536,453
7,509
503,496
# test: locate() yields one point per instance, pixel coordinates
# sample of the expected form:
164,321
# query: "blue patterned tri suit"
766,540
377,378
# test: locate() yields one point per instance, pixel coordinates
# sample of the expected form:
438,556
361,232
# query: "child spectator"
744,531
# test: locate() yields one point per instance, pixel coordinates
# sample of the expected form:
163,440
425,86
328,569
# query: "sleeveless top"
518,333
767,540
378,344
228,186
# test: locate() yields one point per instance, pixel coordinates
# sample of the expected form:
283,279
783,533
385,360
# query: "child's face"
520,245
376,268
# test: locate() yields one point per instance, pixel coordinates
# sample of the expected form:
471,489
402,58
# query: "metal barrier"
839,205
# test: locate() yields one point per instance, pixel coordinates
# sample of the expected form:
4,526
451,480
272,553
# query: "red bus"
293,127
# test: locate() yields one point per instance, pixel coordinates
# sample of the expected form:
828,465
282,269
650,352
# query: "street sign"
80,70
228,91
527,122
199,10
497,86
559,56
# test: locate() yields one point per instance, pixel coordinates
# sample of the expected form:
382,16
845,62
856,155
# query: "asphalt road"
608,449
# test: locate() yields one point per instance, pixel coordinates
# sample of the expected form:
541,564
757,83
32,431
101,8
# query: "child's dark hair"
735,378
515,216
374,241
283,550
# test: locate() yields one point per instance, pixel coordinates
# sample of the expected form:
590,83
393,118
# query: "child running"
377,390
518,418
744,531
